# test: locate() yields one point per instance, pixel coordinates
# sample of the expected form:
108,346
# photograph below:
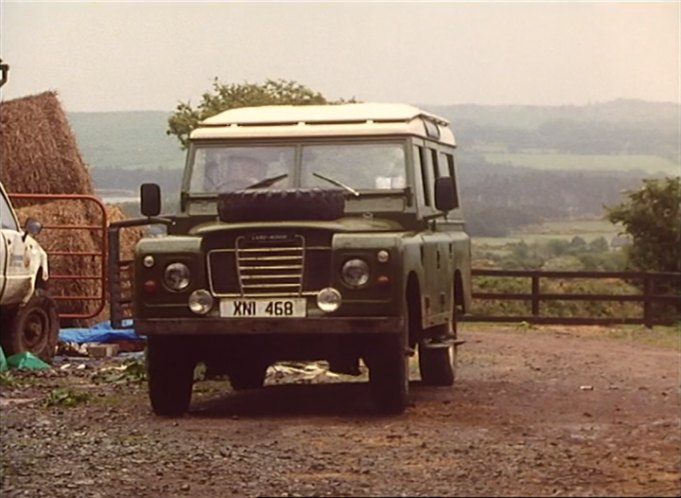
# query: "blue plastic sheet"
100,332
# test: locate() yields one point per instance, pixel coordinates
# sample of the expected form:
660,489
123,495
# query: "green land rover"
327,233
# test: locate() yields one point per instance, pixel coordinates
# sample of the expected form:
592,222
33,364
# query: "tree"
231,96
652,217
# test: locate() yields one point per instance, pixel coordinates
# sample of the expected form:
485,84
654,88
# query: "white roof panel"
332,113
320,120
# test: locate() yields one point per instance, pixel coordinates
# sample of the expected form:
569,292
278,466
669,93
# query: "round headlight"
355,273
329,299
200,301
176,276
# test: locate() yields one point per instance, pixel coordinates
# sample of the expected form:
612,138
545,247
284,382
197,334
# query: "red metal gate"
88,265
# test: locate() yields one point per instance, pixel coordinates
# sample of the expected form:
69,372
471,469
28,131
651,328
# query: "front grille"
270,266
275,264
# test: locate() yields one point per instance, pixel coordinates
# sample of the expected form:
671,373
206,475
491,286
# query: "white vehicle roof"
324,120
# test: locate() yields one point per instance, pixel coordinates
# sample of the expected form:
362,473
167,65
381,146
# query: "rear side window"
425,183
435,162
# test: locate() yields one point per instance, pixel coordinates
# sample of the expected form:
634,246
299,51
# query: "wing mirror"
150,199
32,227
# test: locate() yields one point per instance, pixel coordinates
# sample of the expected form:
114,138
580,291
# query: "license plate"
263,308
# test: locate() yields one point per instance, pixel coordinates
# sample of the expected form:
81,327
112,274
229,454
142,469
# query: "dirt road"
536,412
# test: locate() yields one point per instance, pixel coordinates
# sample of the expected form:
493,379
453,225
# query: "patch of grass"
66,397
587,229
133,371
8,380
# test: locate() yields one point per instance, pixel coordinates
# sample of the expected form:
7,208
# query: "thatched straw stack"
39,152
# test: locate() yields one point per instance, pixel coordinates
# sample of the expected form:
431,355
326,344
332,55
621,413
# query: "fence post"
647,302
535,294
114,278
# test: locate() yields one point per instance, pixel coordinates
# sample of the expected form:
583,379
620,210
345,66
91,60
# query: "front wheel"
389,375
34,327
170,368
388,364
437,356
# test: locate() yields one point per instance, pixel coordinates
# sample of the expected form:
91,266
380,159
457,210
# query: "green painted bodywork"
428,268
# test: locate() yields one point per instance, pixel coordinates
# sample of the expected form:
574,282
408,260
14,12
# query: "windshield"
359,166
222,169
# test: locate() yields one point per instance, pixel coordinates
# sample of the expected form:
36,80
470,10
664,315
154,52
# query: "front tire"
389,370
33,327
437,355
170,368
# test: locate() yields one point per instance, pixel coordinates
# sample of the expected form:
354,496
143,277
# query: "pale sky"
115,56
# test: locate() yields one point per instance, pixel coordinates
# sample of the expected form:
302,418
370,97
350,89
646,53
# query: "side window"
425,182
448,160
445,169
435,168
6,217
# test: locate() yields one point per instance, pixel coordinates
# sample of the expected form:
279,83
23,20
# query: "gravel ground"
534,412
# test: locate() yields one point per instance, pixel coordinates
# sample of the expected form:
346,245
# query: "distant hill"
126,140
617,128
622,111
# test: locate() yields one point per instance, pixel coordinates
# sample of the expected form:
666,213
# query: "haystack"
39,153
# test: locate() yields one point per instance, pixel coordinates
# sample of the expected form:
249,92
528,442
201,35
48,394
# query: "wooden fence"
648,285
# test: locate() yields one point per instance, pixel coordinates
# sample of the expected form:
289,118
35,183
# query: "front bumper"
252,326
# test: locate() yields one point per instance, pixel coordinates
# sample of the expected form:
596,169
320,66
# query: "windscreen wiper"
267,182
338,184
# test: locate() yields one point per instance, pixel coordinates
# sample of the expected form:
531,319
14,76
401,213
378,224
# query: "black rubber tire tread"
437,365
248,376
33,327
170,370
388,364
281,204
389,375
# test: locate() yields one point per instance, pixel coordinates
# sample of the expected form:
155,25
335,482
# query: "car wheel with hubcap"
33,327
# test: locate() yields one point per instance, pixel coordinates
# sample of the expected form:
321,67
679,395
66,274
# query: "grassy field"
549,161
588,229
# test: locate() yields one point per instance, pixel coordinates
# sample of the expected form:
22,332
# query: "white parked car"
27,313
